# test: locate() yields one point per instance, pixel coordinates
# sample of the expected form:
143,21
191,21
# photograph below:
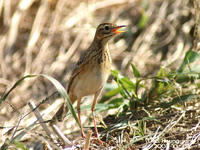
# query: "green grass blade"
135,71
4,96
190,57
121,91
179,99
58,86
63,93
108,95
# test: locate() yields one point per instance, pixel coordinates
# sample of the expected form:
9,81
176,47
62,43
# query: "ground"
152,104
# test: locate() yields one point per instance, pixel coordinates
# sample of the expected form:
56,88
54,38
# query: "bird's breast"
94,74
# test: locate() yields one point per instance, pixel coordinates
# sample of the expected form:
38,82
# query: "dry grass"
48,37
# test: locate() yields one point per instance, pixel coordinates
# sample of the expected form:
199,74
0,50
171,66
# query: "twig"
39,117
43,101
61,136
87,144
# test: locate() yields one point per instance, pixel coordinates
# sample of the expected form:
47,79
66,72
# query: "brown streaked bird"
91,71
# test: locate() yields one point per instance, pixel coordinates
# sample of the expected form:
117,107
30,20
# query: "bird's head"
106,31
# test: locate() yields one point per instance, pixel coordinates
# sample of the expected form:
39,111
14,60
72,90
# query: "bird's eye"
106,28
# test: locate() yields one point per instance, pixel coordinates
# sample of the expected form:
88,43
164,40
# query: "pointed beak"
115,30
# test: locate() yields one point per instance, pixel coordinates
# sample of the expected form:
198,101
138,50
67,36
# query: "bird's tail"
61,113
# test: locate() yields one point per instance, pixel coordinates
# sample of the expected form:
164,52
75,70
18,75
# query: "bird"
91,72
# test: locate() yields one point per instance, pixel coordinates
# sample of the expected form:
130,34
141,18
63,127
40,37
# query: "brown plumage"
91,71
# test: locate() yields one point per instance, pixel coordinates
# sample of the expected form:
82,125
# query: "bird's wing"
75,72
77,69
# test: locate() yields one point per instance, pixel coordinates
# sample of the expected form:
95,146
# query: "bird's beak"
115,30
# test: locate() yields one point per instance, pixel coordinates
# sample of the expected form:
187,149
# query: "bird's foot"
97,140
94,138
83,136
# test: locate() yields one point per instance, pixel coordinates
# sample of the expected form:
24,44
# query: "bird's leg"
95,127
96,95
79,116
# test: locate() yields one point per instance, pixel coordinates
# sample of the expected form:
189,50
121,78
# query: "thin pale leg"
96,95
79,116
95,127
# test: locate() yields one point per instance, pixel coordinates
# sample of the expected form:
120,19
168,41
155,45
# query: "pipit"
91,72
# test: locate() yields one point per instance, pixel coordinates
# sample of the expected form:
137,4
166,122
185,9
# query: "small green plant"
164,90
